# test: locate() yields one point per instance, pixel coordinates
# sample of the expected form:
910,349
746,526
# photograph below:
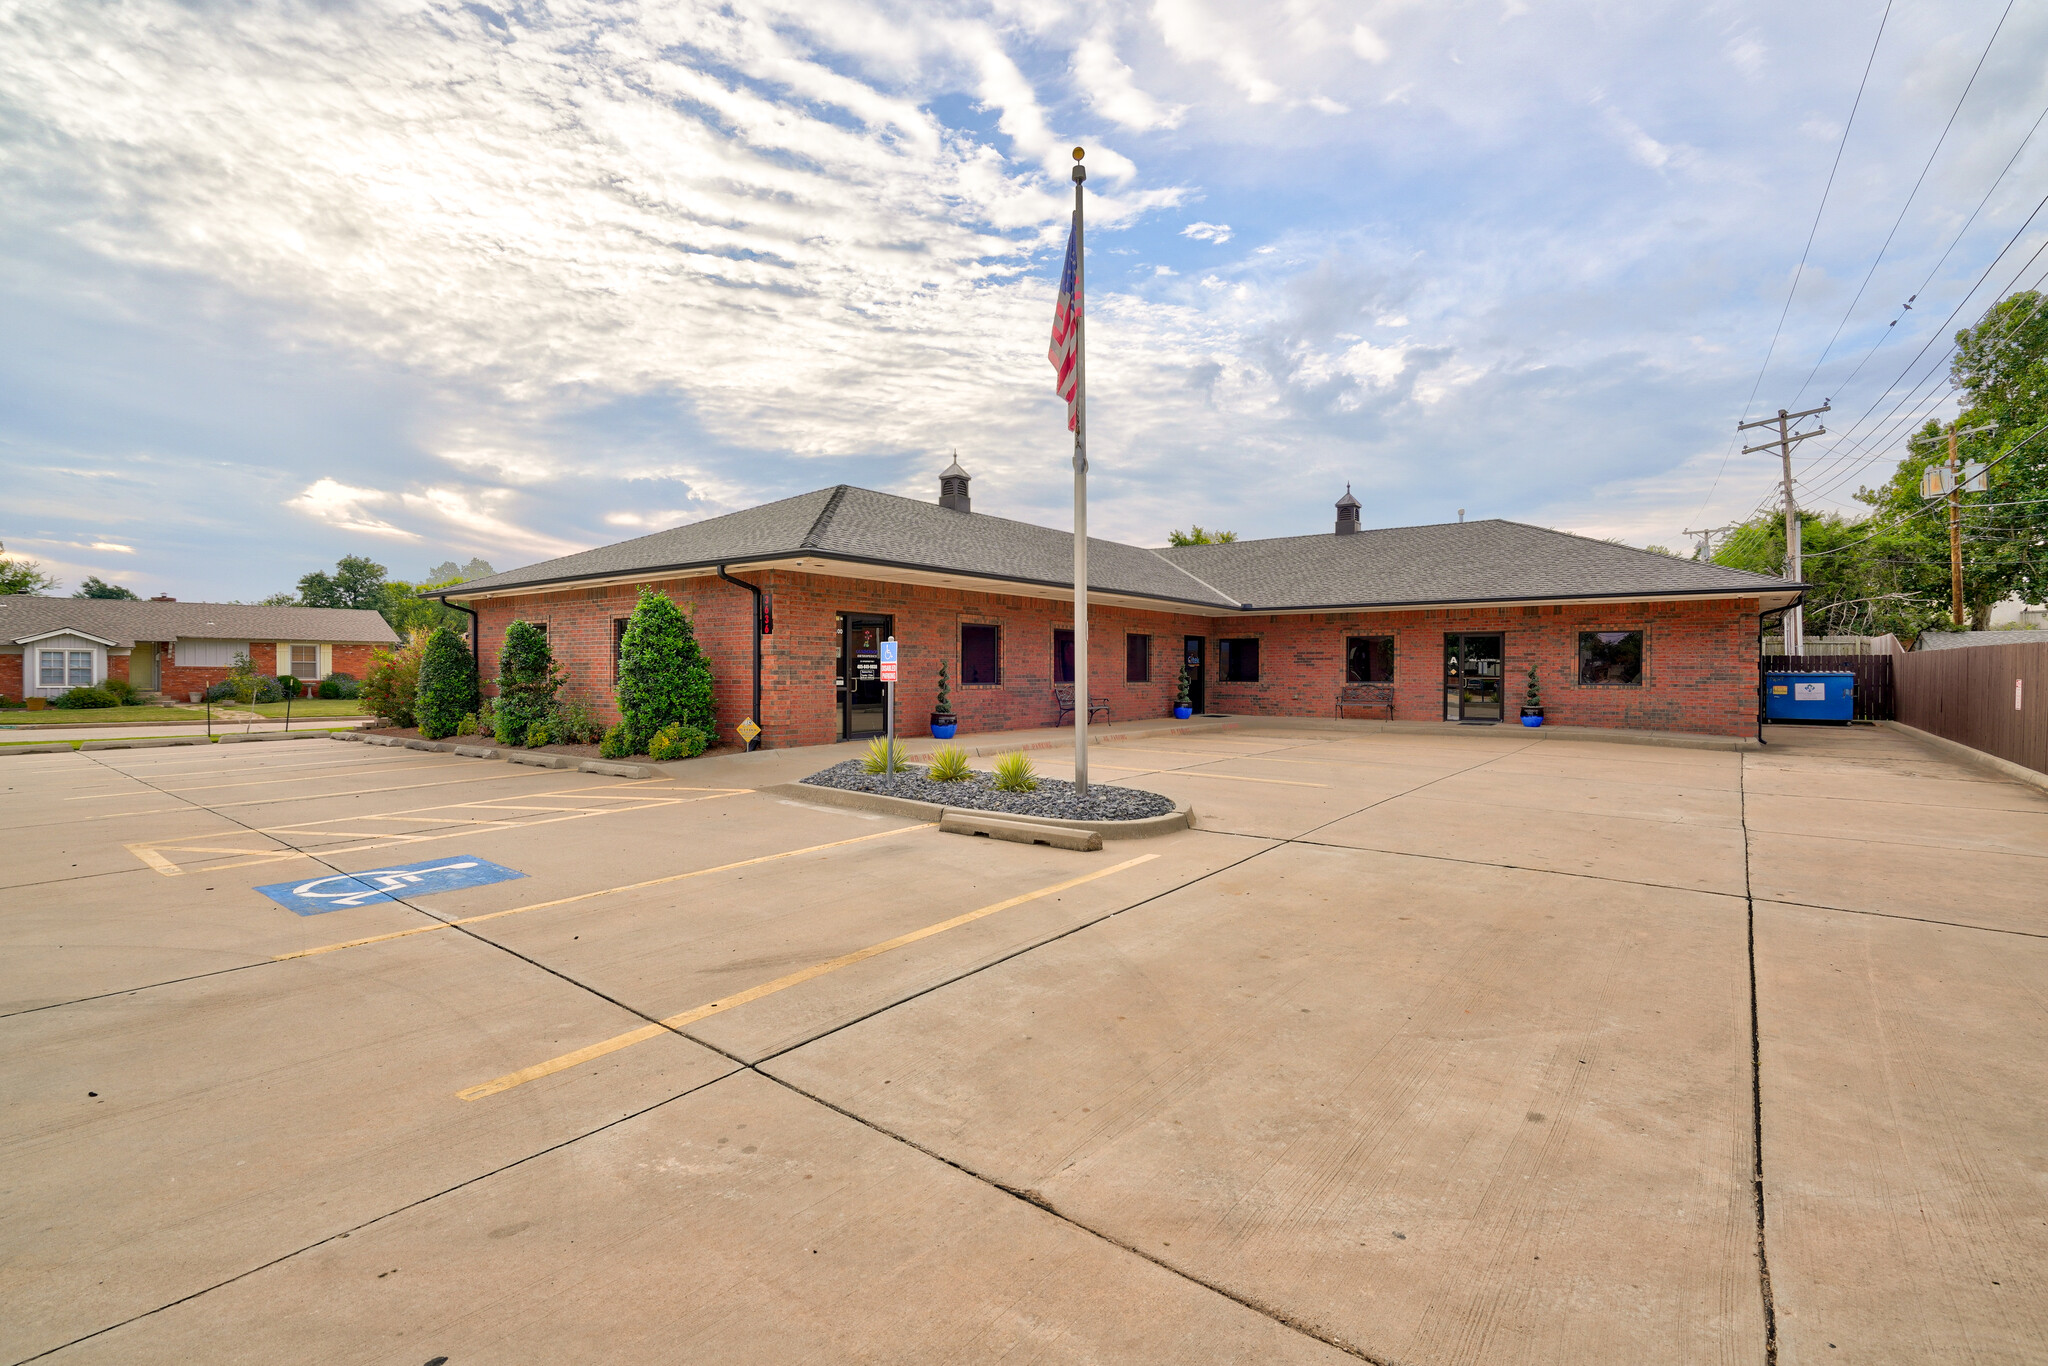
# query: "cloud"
1368,45
1107,84
341,506
1218,233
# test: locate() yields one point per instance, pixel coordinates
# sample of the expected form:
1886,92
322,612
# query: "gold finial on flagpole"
1079,153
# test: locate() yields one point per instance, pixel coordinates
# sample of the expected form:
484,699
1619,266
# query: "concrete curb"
475,752
1182,817
1657,739
1019,832
612,769
1061,739
531,758
39,749
268,735
160,742
1955,749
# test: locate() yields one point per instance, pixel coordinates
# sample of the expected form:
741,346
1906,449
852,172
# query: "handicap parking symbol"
341,891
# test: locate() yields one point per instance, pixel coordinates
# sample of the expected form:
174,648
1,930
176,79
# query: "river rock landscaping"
1054,797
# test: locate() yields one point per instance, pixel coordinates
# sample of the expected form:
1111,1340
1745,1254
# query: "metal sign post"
889,688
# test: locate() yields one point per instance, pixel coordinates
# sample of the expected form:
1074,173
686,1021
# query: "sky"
289,281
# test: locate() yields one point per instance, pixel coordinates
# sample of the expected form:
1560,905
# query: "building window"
50,669
306,661
81,668
1240,659
1369,659
1137,659
1062,656
981,655
1611,659
618,643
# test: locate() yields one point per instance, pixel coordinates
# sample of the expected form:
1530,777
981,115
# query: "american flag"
1066,330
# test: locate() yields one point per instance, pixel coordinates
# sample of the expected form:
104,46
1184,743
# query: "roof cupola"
1347,513
953,487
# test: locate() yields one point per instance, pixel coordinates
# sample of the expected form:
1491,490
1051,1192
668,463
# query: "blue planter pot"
1532,720
1183,713
944,732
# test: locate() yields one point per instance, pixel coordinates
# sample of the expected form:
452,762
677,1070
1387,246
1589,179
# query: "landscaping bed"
1054,797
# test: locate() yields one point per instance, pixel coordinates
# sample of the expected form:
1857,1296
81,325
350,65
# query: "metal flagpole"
1080,492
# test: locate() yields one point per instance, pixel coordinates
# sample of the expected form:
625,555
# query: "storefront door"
1472,678
1196,648
862,701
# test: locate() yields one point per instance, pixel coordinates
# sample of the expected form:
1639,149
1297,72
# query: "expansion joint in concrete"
1756,1086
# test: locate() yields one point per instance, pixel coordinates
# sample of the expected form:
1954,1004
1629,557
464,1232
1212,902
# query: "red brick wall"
1699,658
1699,663
10,677
180,681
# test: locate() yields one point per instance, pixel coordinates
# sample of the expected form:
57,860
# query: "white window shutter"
326,660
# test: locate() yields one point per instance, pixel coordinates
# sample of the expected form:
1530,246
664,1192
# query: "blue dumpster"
1810,697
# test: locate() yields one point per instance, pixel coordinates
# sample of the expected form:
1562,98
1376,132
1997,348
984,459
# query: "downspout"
476,648
739,583
1780,613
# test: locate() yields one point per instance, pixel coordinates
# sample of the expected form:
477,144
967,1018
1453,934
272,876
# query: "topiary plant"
1183,697
527,682
1014,773
944,705
663,675
447,687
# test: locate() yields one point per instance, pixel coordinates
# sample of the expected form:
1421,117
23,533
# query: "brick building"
1418,623
49,645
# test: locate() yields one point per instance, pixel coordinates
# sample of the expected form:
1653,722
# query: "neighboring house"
2018,612
1957,640
49,645
1442,622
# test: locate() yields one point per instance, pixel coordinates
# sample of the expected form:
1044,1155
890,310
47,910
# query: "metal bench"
1063,698
1377,696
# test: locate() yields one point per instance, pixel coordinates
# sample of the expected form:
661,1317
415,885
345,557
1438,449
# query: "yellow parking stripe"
816,970
586,896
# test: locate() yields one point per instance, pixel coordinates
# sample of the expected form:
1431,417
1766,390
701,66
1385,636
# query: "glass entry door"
1196,648
862,701
1472,678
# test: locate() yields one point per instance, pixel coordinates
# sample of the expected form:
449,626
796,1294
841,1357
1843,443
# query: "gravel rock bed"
1055,797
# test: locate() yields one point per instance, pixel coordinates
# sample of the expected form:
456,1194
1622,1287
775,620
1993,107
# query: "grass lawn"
309,706
98,716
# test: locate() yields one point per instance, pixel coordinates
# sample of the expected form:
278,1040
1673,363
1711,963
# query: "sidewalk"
143,730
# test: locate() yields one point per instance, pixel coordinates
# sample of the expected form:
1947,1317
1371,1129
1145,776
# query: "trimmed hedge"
447,688
527,683
664,678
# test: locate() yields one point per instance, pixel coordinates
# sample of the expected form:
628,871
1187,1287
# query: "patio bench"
1375,696
1063,698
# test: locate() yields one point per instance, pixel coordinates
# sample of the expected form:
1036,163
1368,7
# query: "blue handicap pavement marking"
338,891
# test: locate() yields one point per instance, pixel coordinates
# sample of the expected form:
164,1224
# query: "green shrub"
877,758
222,691
122,691
288,684
617,743
266,690
666,744
949,765
393,685
663,675
467,725
538,735
84,699
575,723
527,683
447,687
1014,773
340,686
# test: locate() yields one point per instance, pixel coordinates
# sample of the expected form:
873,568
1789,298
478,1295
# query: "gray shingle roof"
1486,561
1456,562
125,622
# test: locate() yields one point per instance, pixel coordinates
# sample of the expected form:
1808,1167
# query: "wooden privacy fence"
1874,681
1989,697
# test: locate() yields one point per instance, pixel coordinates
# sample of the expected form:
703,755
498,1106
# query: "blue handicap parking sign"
339,891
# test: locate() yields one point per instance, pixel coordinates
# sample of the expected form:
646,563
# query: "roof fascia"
1581,599
66,631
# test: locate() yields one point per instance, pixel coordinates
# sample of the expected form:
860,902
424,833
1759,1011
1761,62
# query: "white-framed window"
81,668
306,661
50,668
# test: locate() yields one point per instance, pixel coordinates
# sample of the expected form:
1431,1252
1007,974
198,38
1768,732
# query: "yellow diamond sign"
748,730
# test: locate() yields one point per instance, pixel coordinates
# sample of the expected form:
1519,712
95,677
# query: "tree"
1198,536
23,576
96,587
447,685
1863,581
663,675
356,582
448,571
407,611
527,682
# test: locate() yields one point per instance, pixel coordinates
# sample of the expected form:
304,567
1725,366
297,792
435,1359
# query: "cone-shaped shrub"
664,678
527,682
447,688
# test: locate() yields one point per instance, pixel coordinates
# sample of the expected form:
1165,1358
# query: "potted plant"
944,722
1532,702
1183,701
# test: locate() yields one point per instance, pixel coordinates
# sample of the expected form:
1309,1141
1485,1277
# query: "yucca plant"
1015,774
949,765
877,760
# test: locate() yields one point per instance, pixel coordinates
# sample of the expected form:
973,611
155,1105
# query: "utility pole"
1955,524
1795,617
1706,551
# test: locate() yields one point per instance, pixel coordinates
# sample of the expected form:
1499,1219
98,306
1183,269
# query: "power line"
1910,194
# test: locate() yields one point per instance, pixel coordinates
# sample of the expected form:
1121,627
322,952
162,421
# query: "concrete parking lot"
1420,1048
